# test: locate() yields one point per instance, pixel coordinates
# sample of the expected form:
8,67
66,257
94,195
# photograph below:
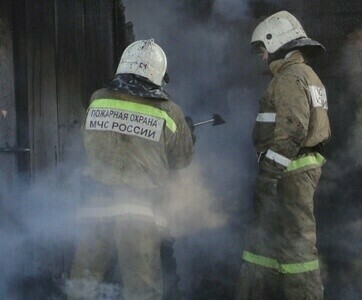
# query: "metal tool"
216,120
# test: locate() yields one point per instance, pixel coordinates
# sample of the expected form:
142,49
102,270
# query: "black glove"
190,124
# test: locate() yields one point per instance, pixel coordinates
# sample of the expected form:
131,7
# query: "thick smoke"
352,67
208,54
38,234
211,71
231,10
341,189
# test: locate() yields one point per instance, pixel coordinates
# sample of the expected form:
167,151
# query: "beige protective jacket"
134,141
293,111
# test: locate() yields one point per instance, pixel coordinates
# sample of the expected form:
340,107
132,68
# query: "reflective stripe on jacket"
133,140
272,263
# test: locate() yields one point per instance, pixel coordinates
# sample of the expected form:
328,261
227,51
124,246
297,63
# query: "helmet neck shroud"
308,47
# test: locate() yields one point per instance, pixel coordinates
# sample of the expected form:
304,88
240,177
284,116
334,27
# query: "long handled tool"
216,120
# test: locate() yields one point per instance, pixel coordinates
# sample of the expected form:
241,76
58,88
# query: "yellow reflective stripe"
261,260
137,108
306,160
300,267
282,268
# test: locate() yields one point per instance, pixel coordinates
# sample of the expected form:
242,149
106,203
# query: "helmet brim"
309,47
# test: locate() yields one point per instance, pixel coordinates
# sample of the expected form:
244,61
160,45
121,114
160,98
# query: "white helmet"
144,58
278,30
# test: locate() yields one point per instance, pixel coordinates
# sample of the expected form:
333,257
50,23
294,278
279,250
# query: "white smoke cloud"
192,205
207,60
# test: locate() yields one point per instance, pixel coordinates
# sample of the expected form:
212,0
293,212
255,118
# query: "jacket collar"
279,65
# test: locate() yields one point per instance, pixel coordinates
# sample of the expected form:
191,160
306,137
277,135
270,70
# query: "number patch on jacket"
319,96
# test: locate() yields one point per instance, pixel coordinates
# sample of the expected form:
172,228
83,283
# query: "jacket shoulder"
98,94
170,107
300,72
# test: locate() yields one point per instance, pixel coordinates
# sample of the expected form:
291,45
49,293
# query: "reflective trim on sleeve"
281,268
266,117
137,108
306,160
280,159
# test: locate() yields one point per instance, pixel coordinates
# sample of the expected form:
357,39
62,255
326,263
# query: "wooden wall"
63,51
8,167
53,56
69,55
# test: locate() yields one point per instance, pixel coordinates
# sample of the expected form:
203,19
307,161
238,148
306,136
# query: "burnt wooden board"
8,169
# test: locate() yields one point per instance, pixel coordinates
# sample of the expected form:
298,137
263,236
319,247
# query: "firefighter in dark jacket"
280,255
133,135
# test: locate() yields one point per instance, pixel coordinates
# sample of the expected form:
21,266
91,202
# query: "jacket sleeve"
291,123
179,144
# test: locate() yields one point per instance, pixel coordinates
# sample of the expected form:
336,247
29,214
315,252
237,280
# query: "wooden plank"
122,31
8,169
70,70
71,99
99,44
42,89
21,85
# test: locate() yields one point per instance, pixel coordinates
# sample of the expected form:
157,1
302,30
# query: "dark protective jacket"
293,112
134,141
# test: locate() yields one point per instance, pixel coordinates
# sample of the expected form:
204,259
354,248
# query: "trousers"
280,257
136,245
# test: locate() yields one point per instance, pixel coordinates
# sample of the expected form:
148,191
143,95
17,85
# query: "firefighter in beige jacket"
133,136
280,255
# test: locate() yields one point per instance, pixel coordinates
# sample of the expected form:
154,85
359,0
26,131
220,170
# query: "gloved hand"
267,183
267,179
271,169
190,124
